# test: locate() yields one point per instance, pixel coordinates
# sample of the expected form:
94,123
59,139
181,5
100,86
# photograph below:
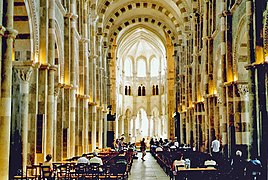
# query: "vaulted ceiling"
163,17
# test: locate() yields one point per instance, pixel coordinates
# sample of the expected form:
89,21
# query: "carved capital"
74,17
219,100
53,67
57,89
23,72
2,30
11,33
243,89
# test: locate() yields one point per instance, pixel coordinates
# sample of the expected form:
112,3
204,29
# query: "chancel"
77,76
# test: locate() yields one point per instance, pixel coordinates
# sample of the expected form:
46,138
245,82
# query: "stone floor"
147,170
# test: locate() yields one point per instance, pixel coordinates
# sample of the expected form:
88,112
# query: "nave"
146,170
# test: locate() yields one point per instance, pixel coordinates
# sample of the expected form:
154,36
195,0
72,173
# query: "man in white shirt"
83,160
96,159
215,148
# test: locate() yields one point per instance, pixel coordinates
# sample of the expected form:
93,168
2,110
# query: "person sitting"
47,167
159,149
254,168
210,163
178,163
48,162
95,159
83,160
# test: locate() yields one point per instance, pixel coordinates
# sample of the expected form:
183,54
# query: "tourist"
48,161
180,162
143,148
95,159
215,148
83,160
238,165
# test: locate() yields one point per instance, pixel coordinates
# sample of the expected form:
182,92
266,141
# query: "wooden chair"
46,172
93,171
78,171
31,173
63,171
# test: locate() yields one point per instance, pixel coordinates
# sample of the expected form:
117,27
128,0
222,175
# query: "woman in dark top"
143,148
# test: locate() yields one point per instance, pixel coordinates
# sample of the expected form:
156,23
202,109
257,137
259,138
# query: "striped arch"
127,23
34,24
238,45
183,12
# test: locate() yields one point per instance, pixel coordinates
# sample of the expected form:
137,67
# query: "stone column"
24,73
51,74
245,132
73,90
86,99
253,149
94,126
134,134
100,123
58,128
105,128
105,102
6,82
86,42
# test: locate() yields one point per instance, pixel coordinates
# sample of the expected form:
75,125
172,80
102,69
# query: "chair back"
46,172
63,171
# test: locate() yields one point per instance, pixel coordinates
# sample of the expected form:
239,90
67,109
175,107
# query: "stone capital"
67,86
74,17
2,30
68,15
243,89
11,33
92,103
226,13
57,90
85,40
24,72
53,67
44,66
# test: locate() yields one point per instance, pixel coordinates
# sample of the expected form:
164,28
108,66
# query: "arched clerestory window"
129,90
143,91
141,68
139,91
128,67
126,90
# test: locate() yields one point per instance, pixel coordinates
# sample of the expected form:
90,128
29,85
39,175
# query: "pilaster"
24,73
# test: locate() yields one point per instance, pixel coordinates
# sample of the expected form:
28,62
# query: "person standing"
143,148
238,165
215,148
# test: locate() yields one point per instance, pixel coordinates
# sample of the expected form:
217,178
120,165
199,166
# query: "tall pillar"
86,41
100,123
73,80
58,127
94,127
221,91
105,128
6,82
253,149
24,73
105,102
51,72
134,134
